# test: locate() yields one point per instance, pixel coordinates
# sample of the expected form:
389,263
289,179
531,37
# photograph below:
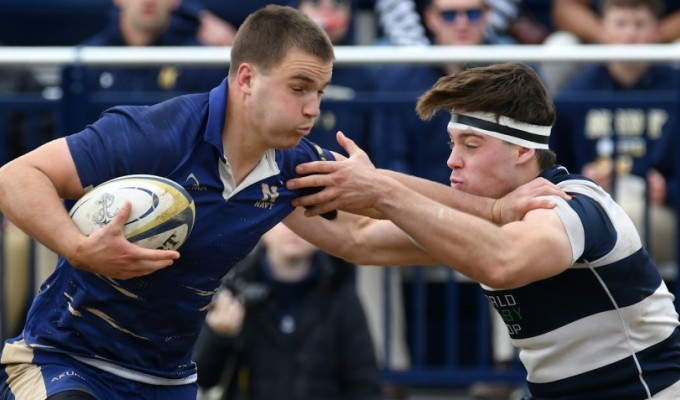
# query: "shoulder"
664,76
590,78
165,114
305,151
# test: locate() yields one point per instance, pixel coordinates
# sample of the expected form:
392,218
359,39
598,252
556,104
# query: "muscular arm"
31,189
501,257
511,207
516,253
361,240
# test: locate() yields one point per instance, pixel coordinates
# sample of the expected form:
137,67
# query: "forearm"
473,246
360,240
576,16
669,28
29,199
471,204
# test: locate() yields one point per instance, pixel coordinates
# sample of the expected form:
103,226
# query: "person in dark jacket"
146,23
290,316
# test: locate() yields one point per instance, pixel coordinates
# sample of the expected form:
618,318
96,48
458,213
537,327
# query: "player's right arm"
31,189
359,239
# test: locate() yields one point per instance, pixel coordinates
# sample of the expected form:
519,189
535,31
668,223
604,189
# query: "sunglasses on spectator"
473,14
334,3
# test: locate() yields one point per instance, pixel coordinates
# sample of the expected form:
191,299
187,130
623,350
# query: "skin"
459,32
266,109
143,21
214,31
334,20
627,25
578,17
531,249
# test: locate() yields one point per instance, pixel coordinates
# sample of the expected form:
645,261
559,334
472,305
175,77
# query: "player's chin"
456,185
292,141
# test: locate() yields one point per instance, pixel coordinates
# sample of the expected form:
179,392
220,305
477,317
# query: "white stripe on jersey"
132,375
561,354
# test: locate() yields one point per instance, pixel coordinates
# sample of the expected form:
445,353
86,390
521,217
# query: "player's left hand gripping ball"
162,215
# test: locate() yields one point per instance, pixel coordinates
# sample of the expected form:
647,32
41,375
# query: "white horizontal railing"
35,56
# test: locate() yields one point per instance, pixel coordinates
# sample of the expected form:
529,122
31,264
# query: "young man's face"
285,246
457,22
146,15
481,164
629,25
285,100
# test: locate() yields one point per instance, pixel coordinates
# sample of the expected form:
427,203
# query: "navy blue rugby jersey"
145,328
605,328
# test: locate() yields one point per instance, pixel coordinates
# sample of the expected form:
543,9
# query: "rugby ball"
162,215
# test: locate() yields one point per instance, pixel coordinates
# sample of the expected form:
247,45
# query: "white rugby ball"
162,215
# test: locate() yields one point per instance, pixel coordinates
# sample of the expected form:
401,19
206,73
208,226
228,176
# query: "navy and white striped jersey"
606,328
145,328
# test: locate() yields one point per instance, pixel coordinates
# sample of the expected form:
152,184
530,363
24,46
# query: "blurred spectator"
577,21
348,84
139,23
398,132
614,146
514,18
289,317
216,21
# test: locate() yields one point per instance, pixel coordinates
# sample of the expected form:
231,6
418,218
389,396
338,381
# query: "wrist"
496,211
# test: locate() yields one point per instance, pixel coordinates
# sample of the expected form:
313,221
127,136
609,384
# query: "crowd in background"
629,149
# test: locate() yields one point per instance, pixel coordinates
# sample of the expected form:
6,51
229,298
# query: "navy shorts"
48,373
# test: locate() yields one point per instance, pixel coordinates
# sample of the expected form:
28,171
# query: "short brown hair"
655,6
511,89
268,34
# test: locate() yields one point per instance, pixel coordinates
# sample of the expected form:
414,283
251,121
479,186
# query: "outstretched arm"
512,207
360,240
512,255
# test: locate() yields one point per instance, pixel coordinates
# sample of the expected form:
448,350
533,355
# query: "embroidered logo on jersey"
269,196
194,183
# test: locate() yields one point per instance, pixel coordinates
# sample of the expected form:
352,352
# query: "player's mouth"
304,130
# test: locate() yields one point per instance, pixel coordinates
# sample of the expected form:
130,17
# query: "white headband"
506,129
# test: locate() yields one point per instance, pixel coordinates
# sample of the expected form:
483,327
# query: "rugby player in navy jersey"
117,321
582,299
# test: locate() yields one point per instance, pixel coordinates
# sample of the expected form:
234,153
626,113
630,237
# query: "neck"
240,141
289,269
627,74
136,37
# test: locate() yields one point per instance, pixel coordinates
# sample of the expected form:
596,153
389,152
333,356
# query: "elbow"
356,254
503,273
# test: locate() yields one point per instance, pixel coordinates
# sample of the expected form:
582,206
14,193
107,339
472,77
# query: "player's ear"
525,154
244,77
